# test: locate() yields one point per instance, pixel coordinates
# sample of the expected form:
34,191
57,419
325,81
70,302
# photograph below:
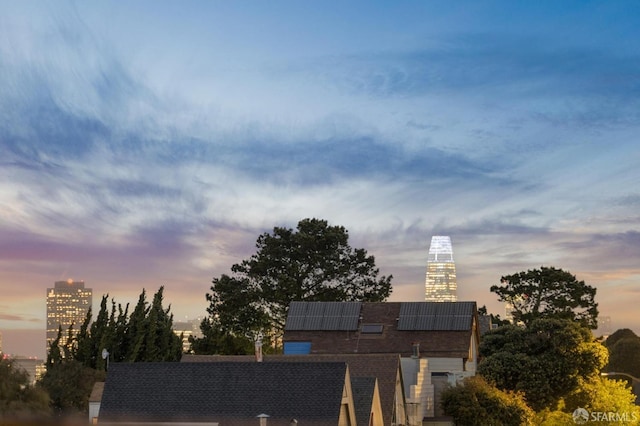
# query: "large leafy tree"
311,263
548,292
546,360
478,403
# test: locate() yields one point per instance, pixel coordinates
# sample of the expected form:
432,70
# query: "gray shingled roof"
385,367
152,392
362,388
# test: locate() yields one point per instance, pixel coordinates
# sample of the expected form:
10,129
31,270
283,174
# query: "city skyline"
150,144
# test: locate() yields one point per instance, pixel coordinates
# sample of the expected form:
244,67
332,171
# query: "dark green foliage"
216,341
623,333
147,335
546,360
478,403
312,263
18,398
495,319
624,352
69,385
548,292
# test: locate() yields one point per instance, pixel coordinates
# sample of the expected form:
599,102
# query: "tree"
69,385
624,352
147,335
18,398
476,402
623,333
605,396
495,319
548,292
545,360
313,263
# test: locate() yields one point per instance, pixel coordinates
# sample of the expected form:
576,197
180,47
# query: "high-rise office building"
67,303
441,285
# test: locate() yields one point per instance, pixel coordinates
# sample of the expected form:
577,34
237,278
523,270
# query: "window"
371,329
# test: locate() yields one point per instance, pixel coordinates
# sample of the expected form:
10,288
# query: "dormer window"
371,329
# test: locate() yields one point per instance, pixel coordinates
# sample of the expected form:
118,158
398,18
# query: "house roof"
235,392
443,329
385,367
96,392
363,388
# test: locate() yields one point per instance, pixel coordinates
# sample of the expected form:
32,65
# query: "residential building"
228,393
437,341
441,283
384,368
67,305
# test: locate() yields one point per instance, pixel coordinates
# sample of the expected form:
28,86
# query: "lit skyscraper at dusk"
441,285
67,303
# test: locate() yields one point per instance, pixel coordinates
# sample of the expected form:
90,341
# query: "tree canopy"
548,292
624,352
312,263
546,360
145,335
477,403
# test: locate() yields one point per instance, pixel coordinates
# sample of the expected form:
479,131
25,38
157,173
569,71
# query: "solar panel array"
436,316
323,316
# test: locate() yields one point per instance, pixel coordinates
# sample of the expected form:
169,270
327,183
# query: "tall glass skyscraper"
441,285
67,303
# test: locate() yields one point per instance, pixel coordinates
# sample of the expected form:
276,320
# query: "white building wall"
445,365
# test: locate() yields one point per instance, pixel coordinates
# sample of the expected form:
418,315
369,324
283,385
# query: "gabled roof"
232,393
385,367
96,392
363,388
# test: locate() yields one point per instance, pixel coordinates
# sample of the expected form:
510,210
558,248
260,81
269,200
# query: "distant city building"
508,311
187,329
441,284
34,367
67,303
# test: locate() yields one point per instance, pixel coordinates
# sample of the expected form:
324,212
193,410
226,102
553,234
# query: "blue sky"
150,144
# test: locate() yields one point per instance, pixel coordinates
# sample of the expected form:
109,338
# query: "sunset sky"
149,143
